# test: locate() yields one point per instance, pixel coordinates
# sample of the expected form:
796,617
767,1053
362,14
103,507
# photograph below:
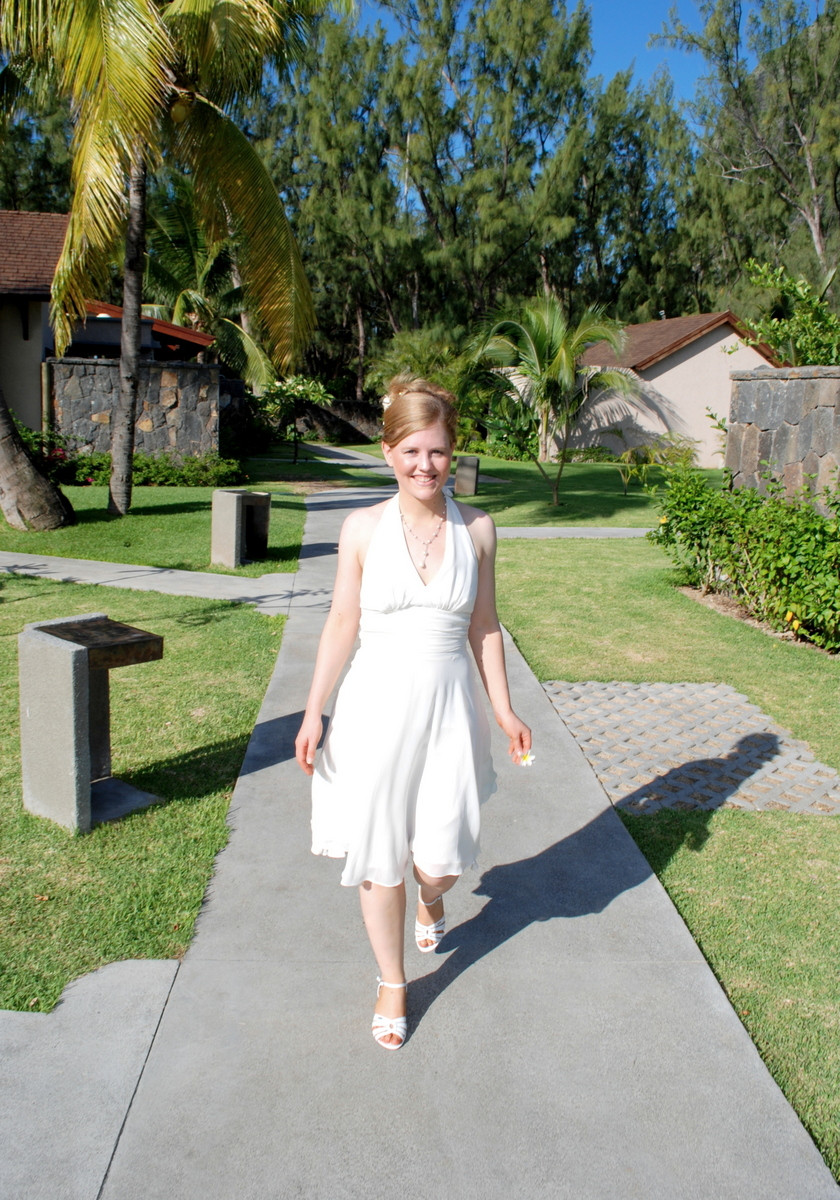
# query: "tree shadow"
101,516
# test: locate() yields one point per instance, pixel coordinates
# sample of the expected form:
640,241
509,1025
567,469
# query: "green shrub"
777,556
160,470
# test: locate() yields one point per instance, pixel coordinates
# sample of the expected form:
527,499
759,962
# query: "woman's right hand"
306,743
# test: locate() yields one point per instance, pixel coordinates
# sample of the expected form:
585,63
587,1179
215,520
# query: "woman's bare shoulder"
480,524
359,525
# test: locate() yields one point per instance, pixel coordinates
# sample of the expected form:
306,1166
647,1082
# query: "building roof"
652,341
164,331
30,245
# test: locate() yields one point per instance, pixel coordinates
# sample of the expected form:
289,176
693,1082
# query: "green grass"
760,892
276,466
166,527
179,728
607,610
590,494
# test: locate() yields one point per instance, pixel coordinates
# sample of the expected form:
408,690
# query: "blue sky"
620,32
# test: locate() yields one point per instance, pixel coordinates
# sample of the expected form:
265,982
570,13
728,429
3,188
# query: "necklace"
423,541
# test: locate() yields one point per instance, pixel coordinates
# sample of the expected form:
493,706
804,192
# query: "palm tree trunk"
122,424
555,489
28,500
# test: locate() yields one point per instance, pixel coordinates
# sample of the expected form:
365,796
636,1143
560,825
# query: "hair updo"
414,404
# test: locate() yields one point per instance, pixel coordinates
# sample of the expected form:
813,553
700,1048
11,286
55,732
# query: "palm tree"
544,350
191,281
148,80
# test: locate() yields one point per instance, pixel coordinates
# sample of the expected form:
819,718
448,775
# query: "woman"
406,761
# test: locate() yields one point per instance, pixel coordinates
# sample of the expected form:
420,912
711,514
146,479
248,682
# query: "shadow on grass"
101,516
192,774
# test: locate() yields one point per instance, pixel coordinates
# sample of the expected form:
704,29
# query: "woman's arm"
338,636
485,636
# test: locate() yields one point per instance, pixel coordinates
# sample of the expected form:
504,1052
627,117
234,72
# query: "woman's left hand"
519,734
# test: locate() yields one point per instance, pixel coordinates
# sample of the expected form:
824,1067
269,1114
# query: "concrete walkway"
568,1041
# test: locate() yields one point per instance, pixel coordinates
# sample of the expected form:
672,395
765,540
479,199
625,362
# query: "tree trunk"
124,415
362,348
564,449
28,500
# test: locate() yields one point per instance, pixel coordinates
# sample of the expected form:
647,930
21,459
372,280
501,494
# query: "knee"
441,882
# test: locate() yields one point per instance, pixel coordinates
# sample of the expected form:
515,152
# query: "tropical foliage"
799,328
148,81
541,352
192,281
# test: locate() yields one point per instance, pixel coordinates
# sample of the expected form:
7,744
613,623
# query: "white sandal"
382,1025
429,933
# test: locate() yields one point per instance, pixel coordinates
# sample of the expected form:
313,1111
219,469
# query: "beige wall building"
683,366
30,244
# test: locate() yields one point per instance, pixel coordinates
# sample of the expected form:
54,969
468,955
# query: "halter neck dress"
406,761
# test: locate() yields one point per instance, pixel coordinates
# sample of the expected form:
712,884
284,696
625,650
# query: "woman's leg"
383,912
432,887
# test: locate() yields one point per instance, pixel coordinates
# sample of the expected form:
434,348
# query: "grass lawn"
179,728
590,494
760,892
166,527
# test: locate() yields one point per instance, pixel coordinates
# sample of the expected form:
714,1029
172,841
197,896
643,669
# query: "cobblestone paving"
691,746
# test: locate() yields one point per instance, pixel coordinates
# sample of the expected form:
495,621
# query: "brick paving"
691,746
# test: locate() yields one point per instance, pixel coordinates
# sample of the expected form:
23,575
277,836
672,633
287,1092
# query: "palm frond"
243,354
224,46
234,195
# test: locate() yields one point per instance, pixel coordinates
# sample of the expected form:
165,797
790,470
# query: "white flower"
386,403
526,759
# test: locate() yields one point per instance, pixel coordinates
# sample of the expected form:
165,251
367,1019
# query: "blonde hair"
413,404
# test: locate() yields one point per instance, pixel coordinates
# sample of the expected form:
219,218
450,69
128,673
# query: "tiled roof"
30,245
652,341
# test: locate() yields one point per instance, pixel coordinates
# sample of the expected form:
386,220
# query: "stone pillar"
239,528
466,475
65,721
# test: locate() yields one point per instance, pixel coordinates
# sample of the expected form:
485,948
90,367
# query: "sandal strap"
382,1026
428,903
435,930
381,983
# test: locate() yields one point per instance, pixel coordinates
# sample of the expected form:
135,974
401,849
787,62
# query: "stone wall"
785,421
177,407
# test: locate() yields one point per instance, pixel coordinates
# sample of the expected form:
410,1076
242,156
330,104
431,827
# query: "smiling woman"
406,762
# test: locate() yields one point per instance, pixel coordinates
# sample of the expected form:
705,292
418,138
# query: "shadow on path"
581,874
703,783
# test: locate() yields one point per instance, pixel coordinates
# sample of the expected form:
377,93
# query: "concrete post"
65,722
466,475
55,727
239,526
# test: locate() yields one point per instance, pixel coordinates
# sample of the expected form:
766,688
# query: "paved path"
691,746
568,1040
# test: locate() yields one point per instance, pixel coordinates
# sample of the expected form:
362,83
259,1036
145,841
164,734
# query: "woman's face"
421,461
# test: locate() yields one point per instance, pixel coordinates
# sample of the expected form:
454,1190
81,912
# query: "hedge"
776,555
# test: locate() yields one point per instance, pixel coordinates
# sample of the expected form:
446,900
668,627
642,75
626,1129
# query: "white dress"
406,760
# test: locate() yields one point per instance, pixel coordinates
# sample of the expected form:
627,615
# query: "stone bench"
240,526
65,717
